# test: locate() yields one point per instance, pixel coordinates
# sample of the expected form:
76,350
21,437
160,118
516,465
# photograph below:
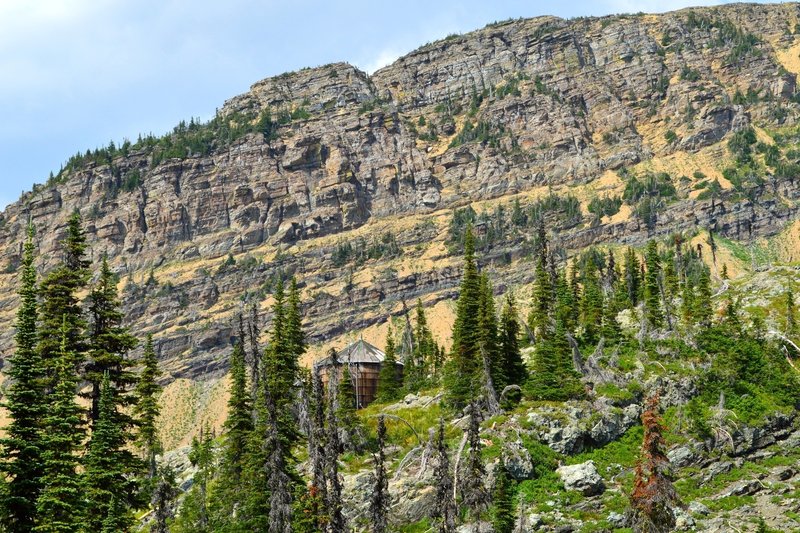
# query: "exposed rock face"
549,103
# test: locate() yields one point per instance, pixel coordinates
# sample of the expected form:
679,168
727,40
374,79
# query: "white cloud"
382,59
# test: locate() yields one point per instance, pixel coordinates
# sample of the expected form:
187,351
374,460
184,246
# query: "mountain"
613,130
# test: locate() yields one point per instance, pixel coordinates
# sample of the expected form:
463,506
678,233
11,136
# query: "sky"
75,74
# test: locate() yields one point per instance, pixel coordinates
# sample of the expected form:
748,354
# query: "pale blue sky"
75,74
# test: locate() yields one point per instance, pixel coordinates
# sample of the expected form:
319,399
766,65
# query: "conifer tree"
541,312
272,463
146,409
109,344
280,482
445,512
553,376
502,501
164,495
60,304
347,419
652,290
473,490
565,304
111,488
194,513
515,371
612,274
294,324
318,490
388,382
238,428
461,371
653,496
380,501
730,319
688,303
488,330
632,278
281,369
791,319
333,447
255,510
60,504
21,448
591,303
256,356
670,280
611,329
420,365
703,312
570,316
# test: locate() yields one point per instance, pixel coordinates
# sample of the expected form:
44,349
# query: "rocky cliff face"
349,181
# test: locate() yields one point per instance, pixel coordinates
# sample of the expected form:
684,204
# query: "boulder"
699,509
582,477
741,488
681,456
616,520
683,520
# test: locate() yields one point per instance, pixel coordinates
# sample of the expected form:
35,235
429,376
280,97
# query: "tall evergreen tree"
255,511
281,370
553,376
473,490
165,492
146,409
791,318
488,332
60,307
194,516
333,447
238,428
421,363
445,512
632,278
388,382
704,310
347,419
255,355
21,448
276,428
670,280
652,286
318,490
502,501
539,318
688,303
294,324
611,329
109,344
60,503
570,316
565,303
612,274
461,371
591,302
515,372
111,489
380,501
280,481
